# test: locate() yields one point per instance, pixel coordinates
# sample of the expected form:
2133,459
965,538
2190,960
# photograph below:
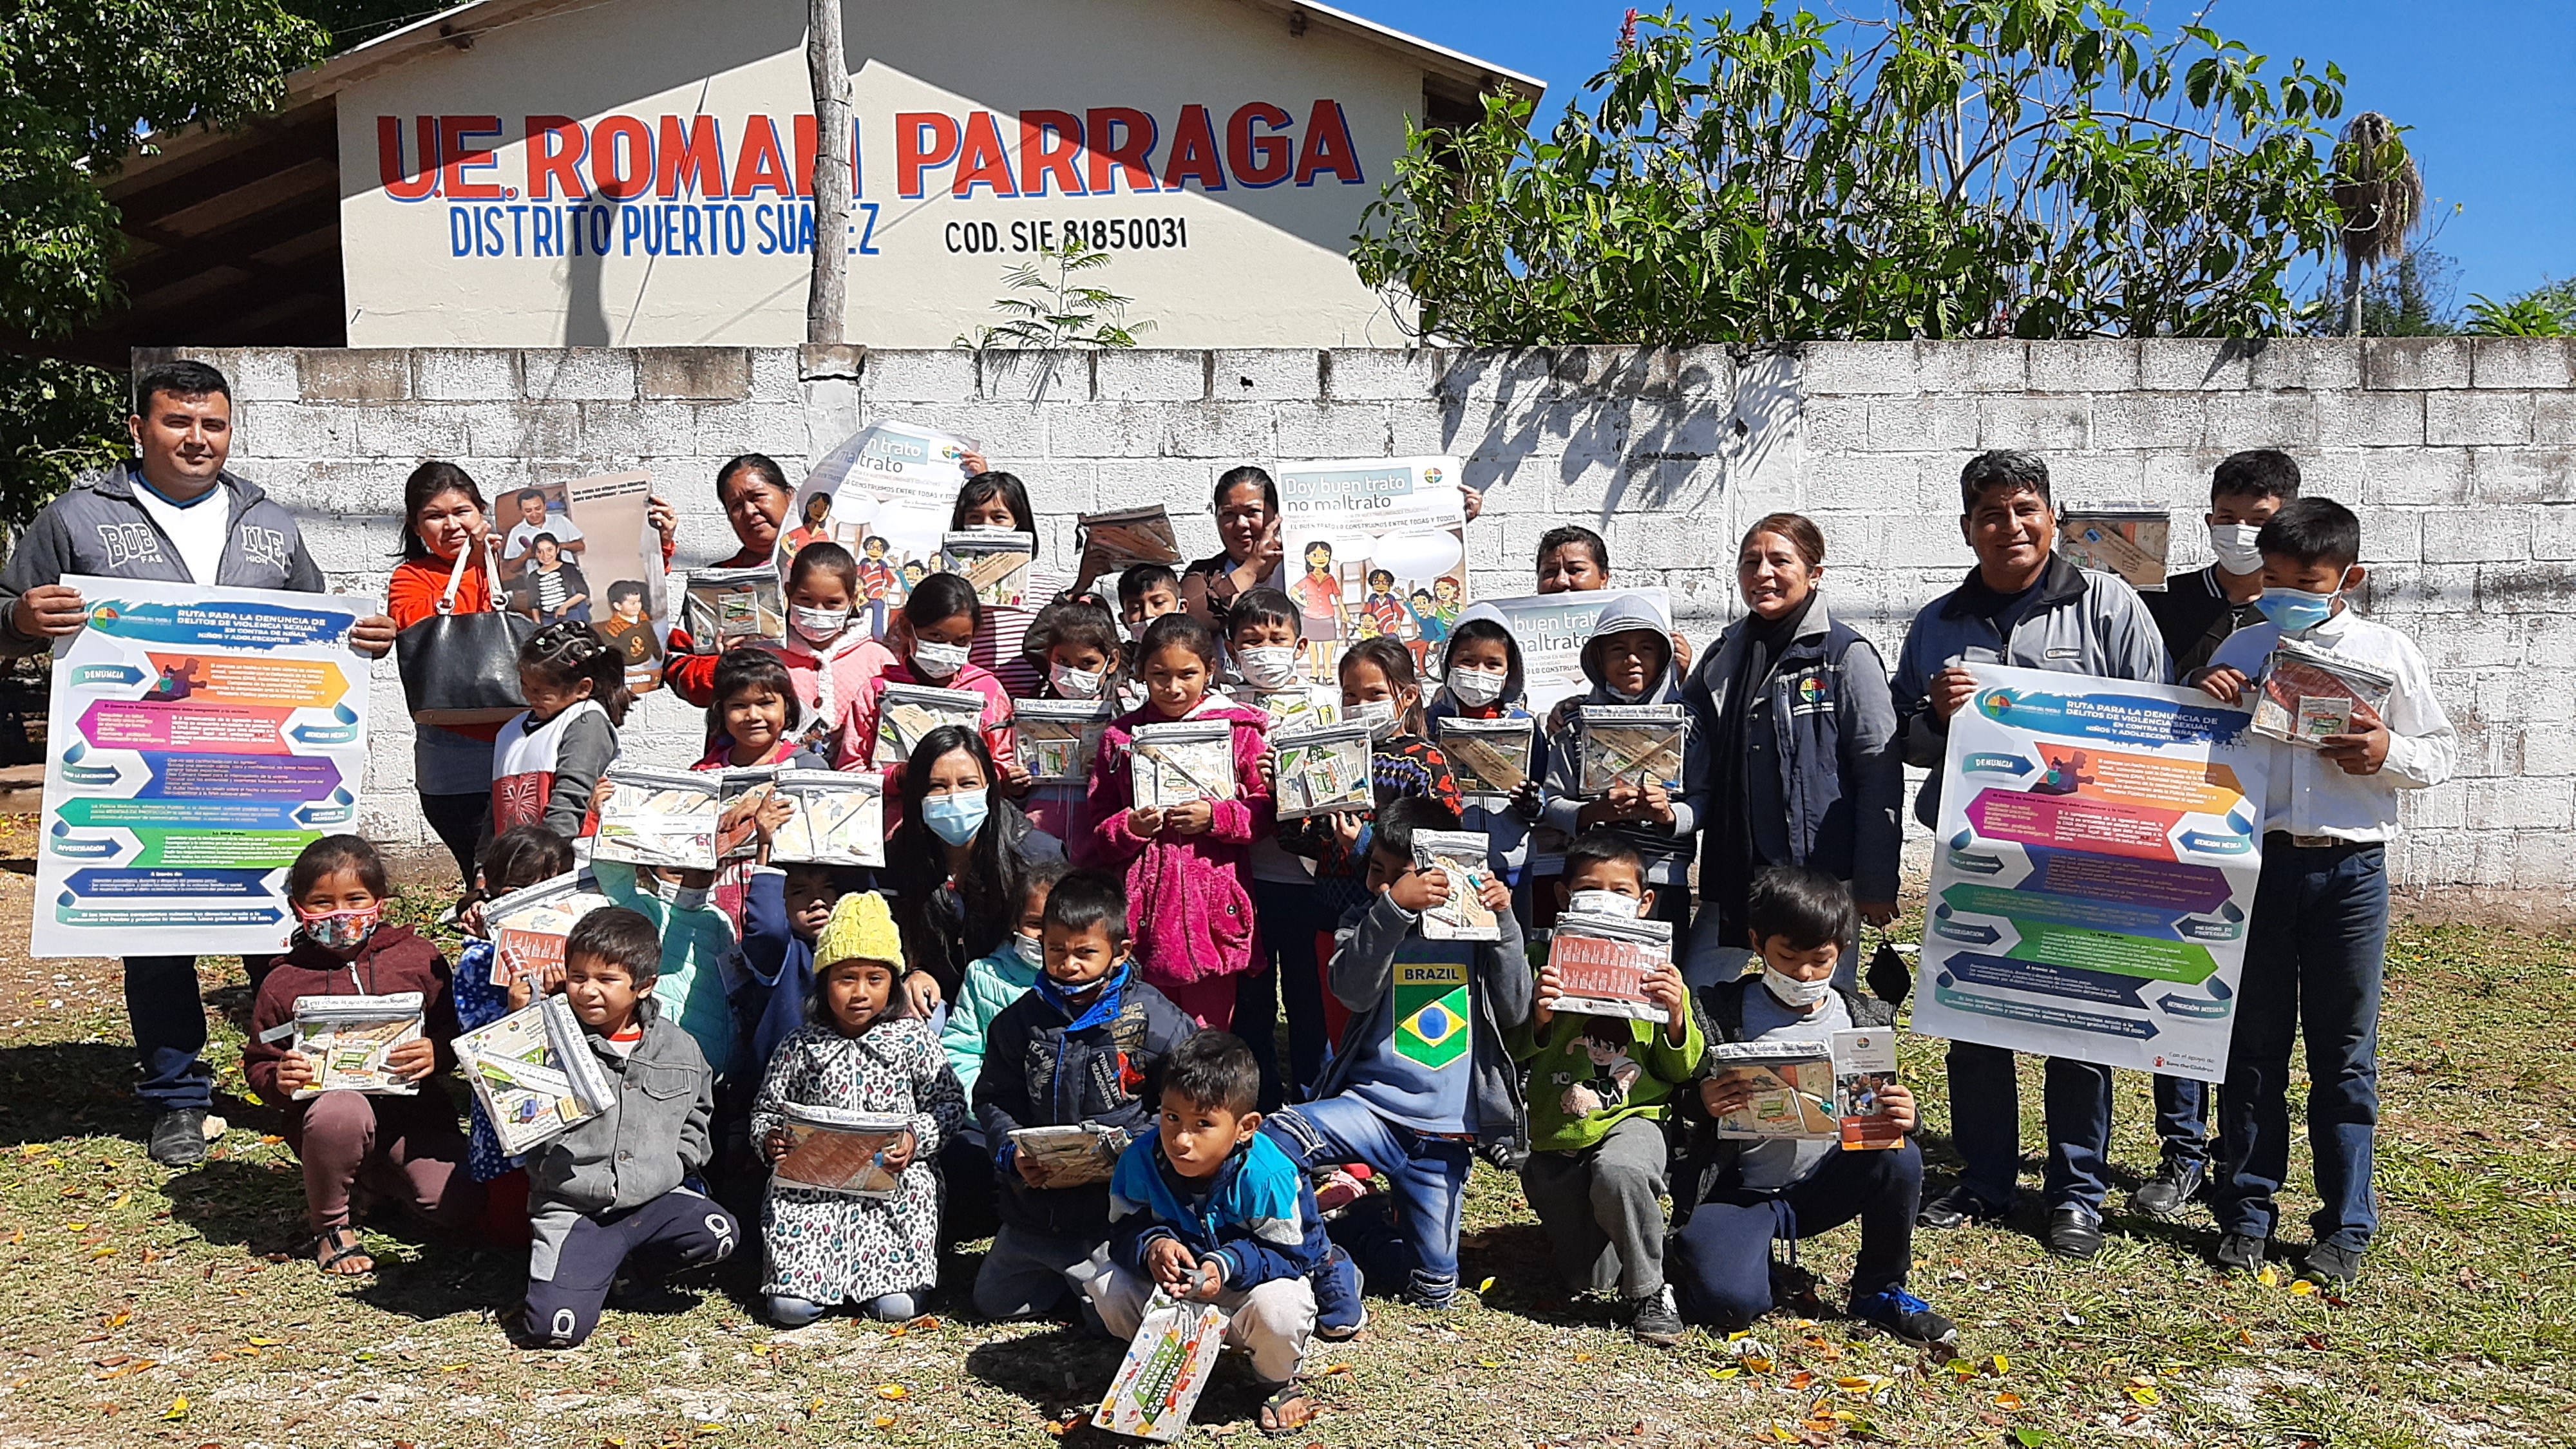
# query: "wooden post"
826,300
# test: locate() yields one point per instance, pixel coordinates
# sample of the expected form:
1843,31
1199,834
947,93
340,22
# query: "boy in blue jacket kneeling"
1209,1210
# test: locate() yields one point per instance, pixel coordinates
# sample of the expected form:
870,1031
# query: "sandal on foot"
1276,1422
327,1259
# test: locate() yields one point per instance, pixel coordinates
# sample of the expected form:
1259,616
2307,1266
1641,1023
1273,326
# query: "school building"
639,173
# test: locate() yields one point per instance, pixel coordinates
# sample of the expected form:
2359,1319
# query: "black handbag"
1890,978
463,669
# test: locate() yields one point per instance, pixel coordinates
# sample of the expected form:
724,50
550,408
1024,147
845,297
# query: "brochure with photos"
908,712
2309,694
1461,855
995,562
1793,1090
1059,738
1637,744
652,816
347,1038
1111,543
840,1151
1167,1367
1602,962
1864,1066
1322,771
1301,708
535,1074
726,608
1490,757
1182,761
527,927
1077,1153
839,819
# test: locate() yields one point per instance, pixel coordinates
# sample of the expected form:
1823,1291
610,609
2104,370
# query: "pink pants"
403,1148
1209,1000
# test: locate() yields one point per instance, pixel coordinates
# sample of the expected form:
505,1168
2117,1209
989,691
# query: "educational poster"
1552,630
886,495
629,593
524,515
1375,548
2098,849
199,739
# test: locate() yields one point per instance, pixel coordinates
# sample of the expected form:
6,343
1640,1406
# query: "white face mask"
1270,666
1030,950
1476,688
937,661
1377,714
1608,903
2235,545
1073,683
818,626
1793,991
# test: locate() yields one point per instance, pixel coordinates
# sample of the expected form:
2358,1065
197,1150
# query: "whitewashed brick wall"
2460,456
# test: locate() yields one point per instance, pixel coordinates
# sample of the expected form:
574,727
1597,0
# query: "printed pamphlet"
1059,738
652,816
1182,761
615,555
1793,1090
2309,693
1864,1065
1322,771
1079,1153
2130,542
1301,708
1462,856
995,561
534,1074
527,927
726,608
840,1151
1490,757
347,1038
1602,962
839,819
907,712
1111,543
744,790
1634,743
1166,1369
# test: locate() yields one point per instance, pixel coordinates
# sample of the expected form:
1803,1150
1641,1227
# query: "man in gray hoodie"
171,514
2026,607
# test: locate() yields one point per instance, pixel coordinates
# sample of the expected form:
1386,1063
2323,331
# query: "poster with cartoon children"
1375,548
886,495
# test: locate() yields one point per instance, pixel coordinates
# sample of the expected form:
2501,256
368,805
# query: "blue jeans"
1427,1178
2313,957
169,1020
1985,1124
1291,916
1719,1260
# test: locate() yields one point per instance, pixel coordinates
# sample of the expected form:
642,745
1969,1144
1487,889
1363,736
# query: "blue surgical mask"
955,818
2296,610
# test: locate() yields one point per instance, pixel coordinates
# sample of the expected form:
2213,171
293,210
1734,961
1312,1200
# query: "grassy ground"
152,1306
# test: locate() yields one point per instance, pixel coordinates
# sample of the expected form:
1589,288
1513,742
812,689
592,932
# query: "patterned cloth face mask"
341,930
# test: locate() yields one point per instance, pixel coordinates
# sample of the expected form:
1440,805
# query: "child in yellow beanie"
843,1224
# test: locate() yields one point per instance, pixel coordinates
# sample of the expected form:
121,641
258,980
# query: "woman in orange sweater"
444,516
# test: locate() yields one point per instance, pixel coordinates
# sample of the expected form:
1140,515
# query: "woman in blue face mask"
958,862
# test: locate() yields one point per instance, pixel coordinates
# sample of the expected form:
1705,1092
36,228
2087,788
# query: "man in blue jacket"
170,514
2022,606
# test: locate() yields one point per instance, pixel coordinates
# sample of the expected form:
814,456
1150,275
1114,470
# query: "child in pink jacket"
1187,900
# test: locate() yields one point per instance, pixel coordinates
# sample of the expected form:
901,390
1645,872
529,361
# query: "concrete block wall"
2459,454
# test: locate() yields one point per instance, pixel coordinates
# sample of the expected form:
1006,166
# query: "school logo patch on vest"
1431,1012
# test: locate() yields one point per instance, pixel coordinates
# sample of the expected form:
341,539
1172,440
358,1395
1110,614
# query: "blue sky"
2484,84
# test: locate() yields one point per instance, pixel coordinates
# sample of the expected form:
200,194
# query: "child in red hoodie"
406,1148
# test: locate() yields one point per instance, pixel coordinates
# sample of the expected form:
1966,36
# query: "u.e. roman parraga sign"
532,191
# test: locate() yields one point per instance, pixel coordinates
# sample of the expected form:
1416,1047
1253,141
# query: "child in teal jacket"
996,981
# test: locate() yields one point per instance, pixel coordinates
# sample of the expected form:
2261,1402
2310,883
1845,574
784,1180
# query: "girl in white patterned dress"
824,1247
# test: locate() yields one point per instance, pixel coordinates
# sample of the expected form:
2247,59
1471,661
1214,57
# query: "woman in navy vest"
1802,733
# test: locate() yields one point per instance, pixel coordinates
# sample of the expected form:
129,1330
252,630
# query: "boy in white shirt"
2314,948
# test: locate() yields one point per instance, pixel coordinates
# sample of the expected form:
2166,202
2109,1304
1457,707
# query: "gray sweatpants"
1027,1274
1602,1209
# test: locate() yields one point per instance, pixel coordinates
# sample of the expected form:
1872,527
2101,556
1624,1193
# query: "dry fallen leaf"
178,1408
2303,1287
2144,1396
118,1320
2009,1402
892,1391
885,1421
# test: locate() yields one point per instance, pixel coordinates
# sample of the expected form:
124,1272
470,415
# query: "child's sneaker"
1654,1321
1340,1312
2331,1265
1905,1318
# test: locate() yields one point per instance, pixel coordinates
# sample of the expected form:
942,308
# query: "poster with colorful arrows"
2098,849
199,739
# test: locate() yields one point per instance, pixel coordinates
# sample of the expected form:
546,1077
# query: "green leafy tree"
1960,168
2413,297
2548,310
1049,309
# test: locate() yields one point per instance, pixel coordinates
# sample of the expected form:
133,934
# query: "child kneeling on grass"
1210,1211
403,1147
616,1193
1600,1087
830,1247
1733,1199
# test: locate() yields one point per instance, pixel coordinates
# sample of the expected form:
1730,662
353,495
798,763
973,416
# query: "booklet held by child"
907,712
1461,855
729,607
1602,962
1296,708
347,1038
2309,694
1793,1089
1075,1154
839,819
1059,738
840,1151
995,561
527,927
1322,771
1111,543
1182,761
651,816
1864,1066
1633,744
1166,1369
534,1074
1491,757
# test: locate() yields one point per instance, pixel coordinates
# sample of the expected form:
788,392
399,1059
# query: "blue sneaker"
1339,1311
1905,1318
